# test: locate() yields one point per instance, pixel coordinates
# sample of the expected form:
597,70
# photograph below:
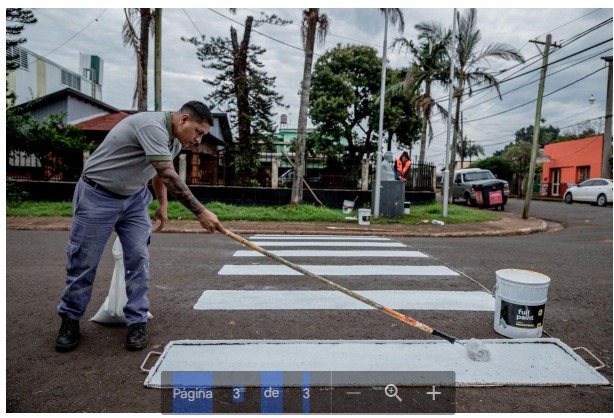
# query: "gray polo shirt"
122,162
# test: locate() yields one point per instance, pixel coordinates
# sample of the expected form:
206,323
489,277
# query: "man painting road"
112,194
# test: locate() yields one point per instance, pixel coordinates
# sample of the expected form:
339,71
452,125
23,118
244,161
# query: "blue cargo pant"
95,214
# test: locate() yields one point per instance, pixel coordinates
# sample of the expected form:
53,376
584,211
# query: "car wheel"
602,200
568,199
468,200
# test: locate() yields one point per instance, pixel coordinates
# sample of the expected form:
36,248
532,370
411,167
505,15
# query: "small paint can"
364,216
406,208
520,303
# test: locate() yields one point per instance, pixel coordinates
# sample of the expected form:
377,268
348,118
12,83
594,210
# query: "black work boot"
68,335
137,337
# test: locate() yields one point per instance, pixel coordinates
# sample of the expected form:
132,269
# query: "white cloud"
61,34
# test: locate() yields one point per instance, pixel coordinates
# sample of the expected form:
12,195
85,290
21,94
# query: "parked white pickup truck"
466,181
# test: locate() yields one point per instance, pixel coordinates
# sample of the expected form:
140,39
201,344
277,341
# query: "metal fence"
342,172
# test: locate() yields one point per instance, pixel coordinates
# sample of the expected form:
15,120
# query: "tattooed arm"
169,178
162,211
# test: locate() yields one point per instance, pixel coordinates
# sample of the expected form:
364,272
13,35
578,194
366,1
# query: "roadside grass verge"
303,213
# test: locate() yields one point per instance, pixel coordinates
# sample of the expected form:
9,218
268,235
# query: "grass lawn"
303,213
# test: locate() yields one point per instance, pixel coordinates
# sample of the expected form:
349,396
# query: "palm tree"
470,68
429,66
467,150
314,24
144,18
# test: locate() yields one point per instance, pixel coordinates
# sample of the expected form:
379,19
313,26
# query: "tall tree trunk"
299,164
143,57
452,166
242,92
426,115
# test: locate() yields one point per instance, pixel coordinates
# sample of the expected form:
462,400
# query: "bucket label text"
522,316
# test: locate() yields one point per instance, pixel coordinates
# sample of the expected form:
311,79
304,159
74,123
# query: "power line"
534,81
545,95
76,34
260,33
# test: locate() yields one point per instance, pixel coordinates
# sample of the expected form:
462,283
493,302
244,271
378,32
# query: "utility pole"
378,155
446,172
607,133
536,127
158,60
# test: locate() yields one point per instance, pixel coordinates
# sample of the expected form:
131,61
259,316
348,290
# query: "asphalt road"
102,376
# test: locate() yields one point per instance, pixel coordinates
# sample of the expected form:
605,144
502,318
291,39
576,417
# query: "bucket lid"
523,276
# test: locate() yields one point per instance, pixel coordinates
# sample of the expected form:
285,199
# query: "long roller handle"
381,308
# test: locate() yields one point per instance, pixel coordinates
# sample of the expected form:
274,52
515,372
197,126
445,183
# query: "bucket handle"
602,364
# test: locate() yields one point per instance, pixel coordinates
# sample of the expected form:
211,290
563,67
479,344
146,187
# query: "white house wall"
43,77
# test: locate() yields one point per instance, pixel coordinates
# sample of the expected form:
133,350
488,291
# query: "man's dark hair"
198,110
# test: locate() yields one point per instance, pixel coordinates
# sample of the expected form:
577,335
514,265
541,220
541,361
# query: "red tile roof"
103,123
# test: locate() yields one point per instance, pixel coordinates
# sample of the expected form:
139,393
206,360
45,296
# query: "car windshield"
480,175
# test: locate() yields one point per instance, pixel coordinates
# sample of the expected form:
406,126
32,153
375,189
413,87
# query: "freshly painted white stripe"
516,362
325,253
325,299
327,244
335,270
320,237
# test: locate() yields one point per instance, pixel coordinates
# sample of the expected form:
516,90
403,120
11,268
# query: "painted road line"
319,237
325,253
517,362
334,270
330,299
327,244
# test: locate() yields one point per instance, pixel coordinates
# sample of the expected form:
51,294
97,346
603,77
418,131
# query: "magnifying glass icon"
393,392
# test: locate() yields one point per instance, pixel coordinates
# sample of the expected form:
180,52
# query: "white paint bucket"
520,302
406,208
348,206
364,216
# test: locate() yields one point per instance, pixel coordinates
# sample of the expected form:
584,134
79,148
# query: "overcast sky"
61,34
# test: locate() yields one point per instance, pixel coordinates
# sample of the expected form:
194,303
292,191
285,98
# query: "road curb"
509,226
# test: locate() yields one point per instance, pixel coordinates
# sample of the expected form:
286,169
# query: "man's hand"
209,221
162,216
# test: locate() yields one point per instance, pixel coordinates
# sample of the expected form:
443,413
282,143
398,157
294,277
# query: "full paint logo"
522,316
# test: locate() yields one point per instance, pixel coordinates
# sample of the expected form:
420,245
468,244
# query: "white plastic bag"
112,310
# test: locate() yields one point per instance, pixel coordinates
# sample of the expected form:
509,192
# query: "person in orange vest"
402,166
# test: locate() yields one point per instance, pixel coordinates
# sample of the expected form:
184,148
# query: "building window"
584,173
71,80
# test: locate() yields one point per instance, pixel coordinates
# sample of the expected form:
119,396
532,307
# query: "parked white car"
596,191
285,180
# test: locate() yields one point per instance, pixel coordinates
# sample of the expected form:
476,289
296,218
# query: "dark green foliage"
50,141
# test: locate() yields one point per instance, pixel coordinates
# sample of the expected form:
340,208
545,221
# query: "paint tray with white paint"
518,362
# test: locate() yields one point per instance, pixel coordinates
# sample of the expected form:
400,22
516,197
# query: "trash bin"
392,198
490,195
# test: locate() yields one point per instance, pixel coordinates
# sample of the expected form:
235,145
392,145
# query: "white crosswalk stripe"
265,244
325,299
329,253
317,238
332,270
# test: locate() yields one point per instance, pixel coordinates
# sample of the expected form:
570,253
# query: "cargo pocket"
72,249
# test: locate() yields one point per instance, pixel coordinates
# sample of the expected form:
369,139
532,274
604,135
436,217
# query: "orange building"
571,162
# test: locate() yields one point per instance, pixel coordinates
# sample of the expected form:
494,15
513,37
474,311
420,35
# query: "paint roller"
475,349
